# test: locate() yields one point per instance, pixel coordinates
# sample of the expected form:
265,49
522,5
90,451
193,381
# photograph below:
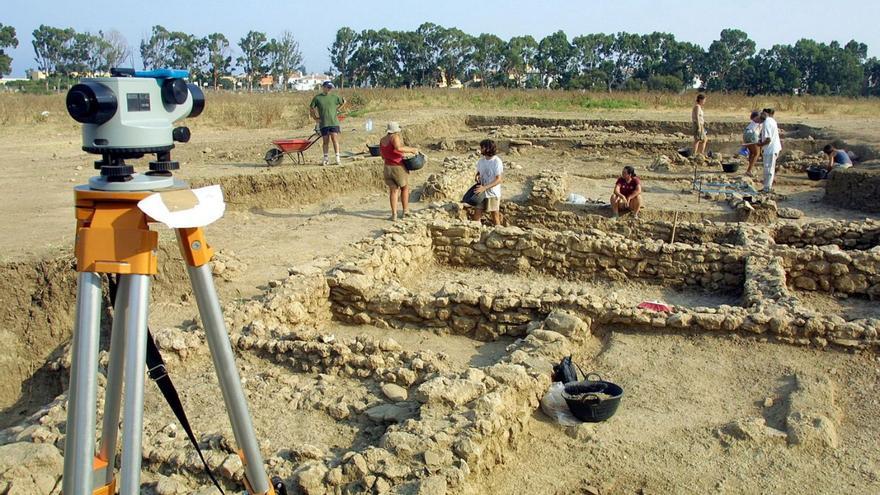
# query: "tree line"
607,62
431,53
63,51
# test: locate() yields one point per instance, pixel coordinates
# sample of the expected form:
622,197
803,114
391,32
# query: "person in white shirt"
489,174
772,145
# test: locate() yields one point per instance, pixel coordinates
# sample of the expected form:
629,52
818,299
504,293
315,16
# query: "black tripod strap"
159,375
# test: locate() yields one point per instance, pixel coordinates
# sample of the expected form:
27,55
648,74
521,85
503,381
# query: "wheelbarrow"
294,148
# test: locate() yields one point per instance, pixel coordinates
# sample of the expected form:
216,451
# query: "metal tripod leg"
227,374
79,441
113,390
135,367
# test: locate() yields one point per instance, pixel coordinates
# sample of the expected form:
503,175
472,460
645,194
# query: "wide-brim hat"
393,127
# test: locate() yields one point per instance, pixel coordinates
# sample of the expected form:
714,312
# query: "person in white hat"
395,174
325,108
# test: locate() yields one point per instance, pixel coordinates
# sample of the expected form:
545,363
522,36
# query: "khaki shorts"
698,131
395,176
490,204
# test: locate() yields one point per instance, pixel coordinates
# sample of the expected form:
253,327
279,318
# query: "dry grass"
289,110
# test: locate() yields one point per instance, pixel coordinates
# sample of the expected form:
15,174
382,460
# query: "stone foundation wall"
846,235
830,269
451,182
582,256
571,217
548,189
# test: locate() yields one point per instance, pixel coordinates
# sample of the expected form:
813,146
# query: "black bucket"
374,149
817,173
472,198
730,167
592,400
415,162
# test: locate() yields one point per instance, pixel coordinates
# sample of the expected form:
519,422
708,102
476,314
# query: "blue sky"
314,23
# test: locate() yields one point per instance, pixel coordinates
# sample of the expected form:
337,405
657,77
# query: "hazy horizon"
314,25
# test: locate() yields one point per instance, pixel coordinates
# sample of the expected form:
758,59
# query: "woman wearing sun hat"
396,175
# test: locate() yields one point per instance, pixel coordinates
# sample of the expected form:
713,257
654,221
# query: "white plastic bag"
555,407
576,199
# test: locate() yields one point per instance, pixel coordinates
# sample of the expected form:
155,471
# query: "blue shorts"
333,129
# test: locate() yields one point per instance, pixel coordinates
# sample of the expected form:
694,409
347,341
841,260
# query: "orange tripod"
113,237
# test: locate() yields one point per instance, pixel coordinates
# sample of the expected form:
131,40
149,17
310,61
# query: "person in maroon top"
627,192
395,174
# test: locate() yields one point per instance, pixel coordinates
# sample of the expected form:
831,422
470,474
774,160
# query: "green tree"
114,50
7,40
284,56
592,60
49,45
487,56
518,59
254,49
727,60
219,57
555,58
156,51
341,51
414,59
871,84
376,58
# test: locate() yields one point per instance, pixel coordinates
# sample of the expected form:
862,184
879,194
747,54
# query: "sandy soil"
679,390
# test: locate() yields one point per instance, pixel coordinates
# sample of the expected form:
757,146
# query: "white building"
308,82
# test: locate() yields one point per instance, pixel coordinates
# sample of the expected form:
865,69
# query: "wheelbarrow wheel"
274,157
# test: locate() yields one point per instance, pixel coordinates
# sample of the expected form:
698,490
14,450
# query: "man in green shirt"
324,109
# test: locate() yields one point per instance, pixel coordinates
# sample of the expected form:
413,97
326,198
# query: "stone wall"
456,175
856,188
582,256
830,269
846,235
548,189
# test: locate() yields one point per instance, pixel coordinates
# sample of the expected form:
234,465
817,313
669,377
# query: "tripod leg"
79,441
113,391
227,374
135,357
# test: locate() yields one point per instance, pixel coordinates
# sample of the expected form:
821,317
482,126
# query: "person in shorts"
627,193
837,158
490,171
395,174
698,126
325,108
751,135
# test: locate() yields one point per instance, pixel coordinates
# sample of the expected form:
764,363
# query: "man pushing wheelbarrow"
325,108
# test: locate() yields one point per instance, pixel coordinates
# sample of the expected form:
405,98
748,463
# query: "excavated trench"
355,412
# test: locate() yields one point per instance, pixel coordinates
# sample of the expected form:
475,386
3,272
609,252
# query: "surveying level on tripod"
127,116
131,114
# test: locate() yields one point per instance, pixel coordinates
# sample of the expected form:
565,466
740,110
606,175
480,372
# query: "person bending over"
627,193
836,158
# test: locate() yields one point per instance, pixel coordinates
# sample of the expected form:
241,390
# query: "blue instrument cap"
163,74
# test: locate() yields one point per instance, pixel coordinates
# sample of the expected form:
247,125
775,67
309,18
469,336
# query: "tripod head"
131,114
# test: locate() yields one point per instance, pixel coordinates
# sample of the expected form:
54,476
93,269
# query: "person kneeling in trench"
627,193
395,174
